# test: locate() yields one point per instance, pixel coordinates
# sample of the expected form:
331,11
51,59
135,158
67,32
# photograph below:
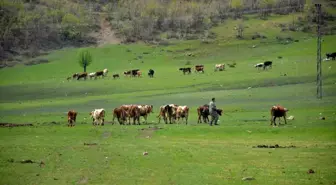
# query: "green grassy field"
178,153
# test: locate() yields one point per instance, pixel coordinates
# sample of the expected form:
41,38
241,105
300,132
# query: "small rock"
248,178
290,118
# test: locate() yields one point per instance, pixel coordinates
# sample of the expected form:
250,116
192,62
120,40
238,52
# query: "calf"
116,76
267,64
127,73
98,116
139,73
331,55
203,112
151,73
82,75
75,75
199,68
182,112
219,67
278,112
72,118
185,70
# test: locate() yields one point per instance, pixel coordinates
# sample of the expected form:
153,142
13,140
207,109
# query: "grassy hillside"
178,153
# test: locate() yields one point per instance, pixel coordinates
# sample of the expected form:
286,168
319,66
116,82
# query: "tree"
85,59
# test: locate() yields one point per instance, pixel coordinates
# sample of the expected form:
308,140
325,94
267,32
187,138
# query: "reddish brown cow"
203,112
72,118
120,114
182,112
199,68
168,112
278,111
82,75
134,113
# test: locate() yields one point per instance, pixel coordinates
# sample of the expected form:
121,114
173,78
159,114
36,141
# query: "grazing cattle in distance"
75,75
105,71
72,118
139,73
219,67
331,55
120,114
259,65
99,73
151,73
98,116
278,112
182,112
116,76
203,112
168,112
135,72
185,70
82,75
267,64
145,110
91,75
199,68
128,73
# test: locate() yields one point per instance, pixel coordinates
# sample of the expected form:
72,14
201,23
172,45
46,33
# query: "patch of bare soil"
273,146
105,35
90,144
27,161
15,124
148,132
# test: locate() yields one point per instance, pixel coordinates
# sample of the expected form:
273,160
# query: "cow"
120,114
105,71
92,75
75,75
134,112
278,111
82,75
116,76
151,73
259,65
139,73
71,118
219,67
185,70
267,64
182,112
168,112
199,68
98,116
127,73
127,109
135,72
145,110
99,73
331,55
203,112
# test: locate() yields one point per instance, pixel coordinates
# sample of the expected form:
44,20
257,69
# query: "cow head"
286,110
219,111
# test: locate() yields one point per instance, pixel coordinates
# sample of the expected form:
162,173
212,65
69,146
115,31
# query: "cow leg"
274,121
103,122
186,120
199,119
285,119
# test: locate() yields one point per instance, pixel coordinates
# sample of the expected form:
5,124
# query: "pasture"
177,153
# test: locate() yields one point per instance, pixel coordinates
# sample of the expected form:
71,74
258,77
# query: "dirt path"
106,34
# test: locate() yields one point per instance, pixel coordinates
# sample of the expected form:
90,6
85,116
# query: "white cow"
91,75
259,65
219,67
105,71
98,116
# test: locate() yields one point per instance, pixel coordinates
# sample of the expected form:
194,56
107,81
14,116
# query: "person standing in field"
213,112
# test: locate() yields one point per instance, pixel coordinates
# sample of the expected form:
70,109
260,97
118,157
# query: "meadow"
177,153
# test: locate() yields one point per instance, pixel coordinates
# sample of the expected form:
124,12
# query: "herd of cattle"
169,113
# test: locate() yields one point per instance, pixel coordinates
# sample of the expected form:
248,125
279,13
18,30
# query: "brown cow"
127,109
182,112
203,112
134,113
139,73
278,111
145,110
168,112
82,75
72,118
199,68
75,75
120,114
